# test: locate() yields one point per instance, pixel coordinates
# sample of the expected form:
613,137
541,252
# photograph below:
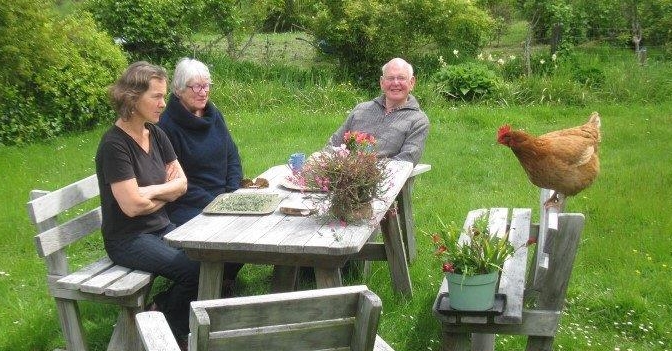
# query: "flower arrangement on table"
481,254
351,176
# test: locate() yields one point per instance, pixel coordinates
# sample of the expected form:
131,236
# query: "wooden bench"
100,281
343,318
533,305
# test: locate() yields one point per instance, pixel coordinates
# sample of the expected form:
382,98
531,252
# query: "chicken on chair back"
565,161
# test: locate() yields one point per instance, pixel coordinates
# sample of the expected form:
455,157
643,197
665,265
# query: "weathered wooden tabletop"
278,239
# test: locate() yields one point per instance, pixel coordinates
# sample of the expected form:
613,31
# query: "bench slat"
58,201
73,281
67,233
98,283
129,284
512,280
155,332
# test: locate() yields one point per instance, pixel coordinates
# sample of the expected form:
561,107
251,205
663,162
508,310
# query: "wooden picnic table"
288,242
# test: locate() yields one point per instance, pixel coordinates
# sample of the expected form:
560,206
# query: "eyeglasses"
400,79
197,88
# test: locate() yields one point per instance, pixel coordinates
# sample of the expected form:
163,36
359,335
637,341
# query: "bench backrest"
53,237
557,243
344,318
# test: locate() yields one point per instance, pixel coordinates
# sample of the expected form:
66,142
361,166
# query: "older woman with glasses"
394,118
203,144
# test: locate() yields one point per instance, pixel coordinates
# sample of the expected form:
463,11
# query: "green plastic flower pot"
472,293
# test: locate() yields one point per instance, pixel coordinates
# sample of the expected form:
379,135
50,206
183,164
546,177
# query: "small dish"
288,184
293,211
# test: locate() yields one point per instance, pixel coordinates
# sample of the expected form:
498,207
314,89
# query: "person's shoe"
183,344
153,307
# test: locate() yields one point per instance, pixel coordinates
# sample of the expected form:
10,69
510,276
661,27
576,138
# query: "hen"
565,161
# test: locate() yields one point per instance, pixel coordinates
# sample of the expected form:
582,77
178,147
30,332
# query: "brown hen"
565,161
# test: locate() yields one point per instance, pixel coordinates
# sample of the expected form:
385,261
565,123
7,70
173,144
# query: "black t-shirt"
120,158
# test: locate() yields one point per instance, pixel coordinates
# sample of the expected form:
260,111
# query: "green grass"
620,292
620,289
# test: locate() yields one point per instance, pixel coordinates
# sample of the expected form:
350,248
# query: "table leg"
407,223
396,255
328,277
210,280
284,278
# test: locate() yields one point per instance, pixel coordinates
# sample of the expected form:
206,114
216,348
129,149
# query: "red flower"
448,267
531,241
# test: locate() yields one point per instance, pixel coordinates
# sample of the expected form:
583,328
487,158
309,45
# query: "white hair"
186,70
400,62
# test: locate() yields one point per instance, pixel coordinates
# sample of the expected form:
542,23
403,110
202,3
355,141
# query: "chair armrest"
155,332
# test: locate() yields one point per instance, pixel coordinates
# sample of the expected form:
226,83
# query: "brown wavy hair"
126,91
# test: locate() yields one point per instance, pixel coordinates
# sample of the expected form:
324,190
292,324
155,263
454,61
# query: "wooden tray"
243,203
443,307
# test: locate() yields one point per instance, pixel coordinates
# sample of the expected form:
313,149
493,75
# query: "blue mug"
296,161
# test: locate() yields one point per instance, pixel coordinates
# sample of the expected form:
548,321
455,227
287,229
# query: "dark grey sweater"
400,135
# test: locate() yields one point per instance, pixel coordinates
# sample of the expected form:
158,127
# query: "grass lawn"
620,293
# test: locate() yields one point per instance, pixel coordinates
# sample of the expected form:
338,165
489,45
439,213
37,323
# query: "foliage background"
55,72
279,98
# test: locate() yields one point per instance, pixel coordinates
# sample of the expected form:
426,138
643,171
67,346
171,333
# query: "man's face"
396,83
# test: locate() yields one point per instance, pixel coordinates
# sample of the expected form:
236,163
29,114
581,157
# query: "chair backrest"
344,318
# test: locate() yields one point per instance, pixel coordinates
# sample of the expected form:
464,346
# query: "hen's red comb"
503,130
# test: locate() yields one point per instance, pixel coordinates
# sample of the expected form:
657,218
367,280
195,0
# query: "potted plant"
472,260
350,176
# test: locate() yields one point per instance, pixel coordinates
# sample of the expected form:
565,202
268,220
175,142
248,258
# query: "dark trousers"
148,252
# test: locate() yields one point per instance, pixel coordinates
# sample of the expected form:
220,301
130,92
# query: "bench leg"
482,342
71,324
454,341
539,343
407,222
396,255
125,336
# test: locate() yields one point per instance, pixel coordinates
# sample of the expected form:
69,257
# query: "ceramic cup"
296,161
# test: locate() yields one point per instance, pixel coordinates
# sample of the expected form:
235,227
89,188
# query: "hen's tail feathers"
595,120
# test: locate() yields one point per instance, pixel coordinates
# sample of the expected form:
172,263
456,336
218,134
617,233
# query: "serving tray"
243,203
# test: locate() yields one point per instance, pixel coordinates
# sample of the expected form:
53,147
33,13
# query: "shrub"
148,29
56,72
364,36
466,81
592,77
